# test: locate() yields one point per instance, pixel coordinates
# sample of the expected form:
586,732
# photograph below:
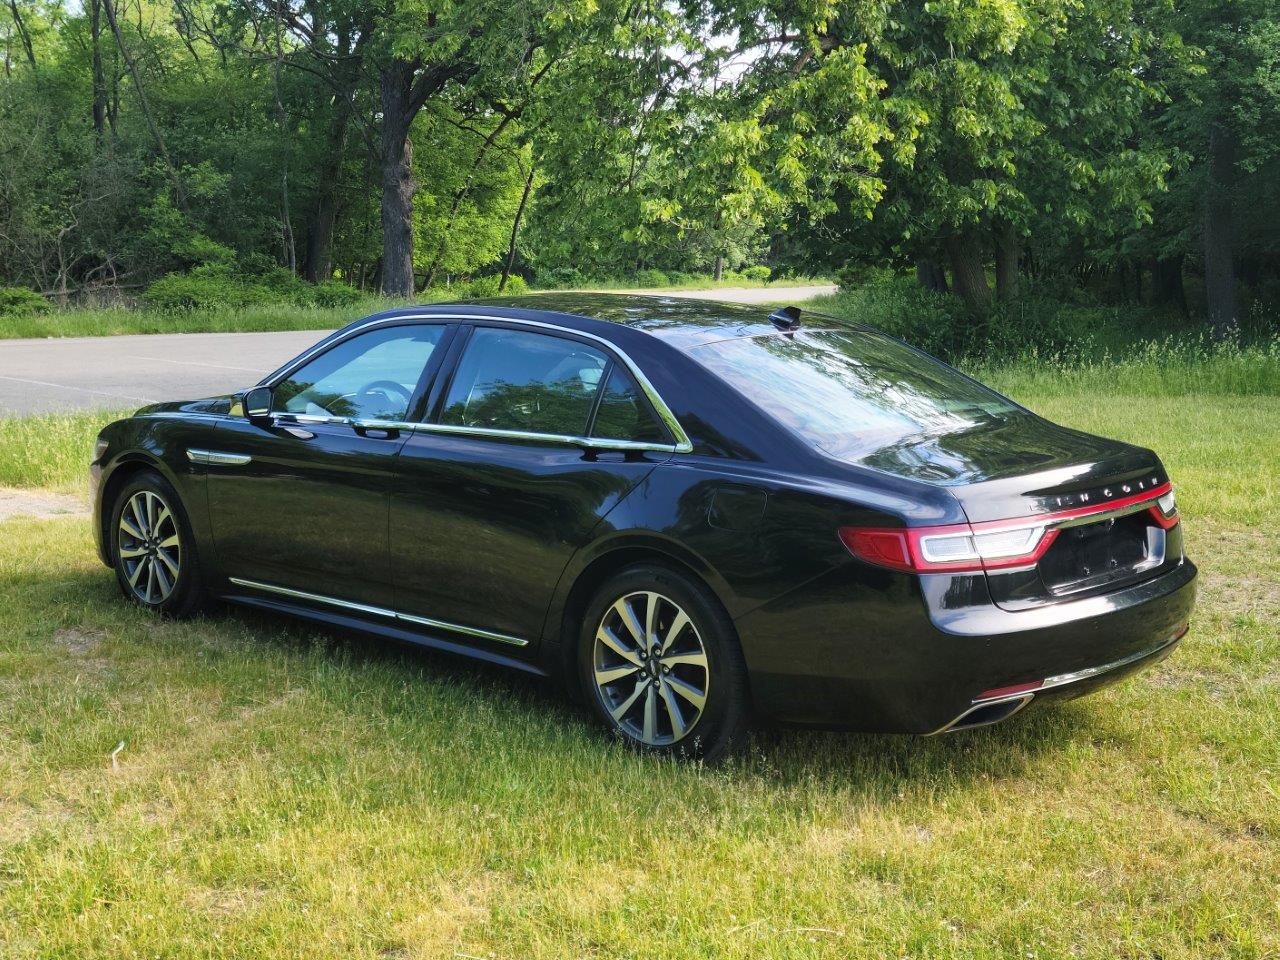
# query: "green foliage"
1043,325
757,272
561,278
205,288
21,302
216,286
651,278
482,288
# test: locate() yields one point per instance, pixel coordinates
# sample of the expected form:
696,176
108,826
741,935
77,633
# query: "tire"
692,676
150,538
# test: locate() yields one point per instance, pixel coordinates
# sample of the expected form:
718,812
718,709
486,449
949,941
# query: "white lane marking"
196,363
64,386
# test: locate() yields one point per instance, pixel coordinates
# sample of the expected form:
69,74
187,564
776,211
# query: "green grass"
115,321
288,792
50,451
707,283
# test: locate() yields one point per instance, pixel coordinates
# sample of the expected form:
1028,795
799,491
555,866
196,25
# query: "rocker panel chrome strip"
381,612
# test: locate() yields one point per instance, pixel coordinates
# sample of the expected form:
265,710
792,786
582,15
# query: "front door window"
372,376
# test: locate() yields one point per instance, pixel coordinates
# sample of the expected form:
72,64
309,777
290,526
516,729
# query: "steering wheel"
388,389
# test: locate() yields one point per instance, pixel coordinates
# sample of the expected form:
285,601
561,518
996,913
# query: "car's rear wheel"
152,549
660,664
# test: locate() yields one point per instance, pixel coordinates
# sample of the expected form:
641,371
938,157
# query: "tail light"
1165,510
994,545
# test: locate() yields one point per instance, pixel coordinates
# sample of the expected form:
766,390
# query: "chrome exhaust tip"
987,712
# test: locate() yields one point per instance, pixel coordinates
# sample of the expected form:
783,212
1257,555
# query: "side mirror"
257,403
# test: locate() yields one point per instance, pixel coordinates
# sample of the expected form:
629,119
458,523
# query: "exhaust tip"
985,714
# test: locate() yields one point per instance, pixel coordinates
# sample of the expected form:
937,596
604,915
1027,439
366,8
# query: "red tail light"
994,545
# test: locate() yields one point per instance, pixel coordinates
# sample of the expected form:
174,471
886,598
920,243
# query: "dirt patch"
78,642
42,504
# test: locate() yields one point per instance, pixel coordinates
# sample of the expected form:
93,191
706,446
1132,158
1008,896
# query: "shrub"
516,286
561,278
482,288
652,278
21,302
757,271
212,285
335,293
220,285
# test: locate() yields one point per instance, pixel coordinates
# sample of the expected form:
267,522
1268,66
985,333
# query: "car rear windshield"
851,392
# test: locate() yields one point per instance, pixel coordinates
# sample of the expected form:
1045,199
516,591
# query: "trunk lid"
1094,493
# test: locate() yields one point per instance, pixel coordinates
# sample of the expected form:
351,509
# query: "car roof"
681,321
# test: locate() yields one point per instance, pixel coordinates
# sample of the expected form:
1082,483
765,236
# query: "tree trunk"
398,187
968,275
1008,254
180,192
1166,283
931,276
99,77
1219,234
319,253
719,269
515,230
21,26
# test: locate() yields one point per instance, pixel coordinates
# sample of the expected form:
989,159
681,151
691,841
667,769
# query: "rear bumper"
899,653
992,707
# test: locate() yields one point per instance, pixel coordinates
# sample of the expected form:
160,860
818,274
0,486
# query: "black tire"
186,592
670,675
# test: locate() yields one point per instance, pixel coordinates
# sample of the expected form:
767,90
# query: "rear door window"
524,382
623,413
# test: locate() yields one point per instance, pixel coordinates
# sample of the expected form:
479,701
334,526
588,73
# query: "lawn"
244,787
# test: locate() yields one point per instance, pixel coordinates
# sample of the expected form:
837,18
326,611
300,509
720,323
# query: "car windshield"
851,392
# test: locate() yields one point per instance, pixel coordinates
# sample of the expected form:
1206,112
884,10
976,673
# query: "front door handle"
375,430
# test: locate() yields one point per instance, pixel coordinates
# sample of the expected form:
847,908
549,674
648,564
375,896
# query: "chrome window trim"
682,444
381,612
562,439
218,457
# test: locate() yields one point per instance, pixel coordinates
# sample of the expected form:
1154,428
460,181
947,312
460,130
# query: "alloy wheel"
650,668
149,547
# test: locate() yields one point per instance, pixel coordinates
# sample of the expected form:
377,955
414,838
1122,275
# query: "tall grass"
53,450
102,322
1171,367
1069,330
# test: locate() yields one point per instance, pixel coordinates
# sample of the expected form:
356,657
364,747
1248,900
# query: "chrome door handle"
376,429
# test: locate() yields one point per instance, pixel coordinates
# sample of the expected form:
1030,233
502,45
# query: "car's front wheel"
660,664
152,547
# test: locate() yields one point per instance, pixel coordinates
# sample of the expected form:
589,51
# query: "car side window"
623,414
521,381
369,377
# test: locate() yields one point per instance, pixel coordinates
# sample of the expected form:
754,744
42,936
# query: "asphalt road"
122,373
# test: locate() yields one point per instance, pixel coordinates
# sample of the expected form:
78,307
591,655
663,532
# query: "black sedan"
690,513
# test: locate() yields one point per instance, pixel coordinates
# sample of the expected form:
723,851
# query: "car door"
532,440
307,508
